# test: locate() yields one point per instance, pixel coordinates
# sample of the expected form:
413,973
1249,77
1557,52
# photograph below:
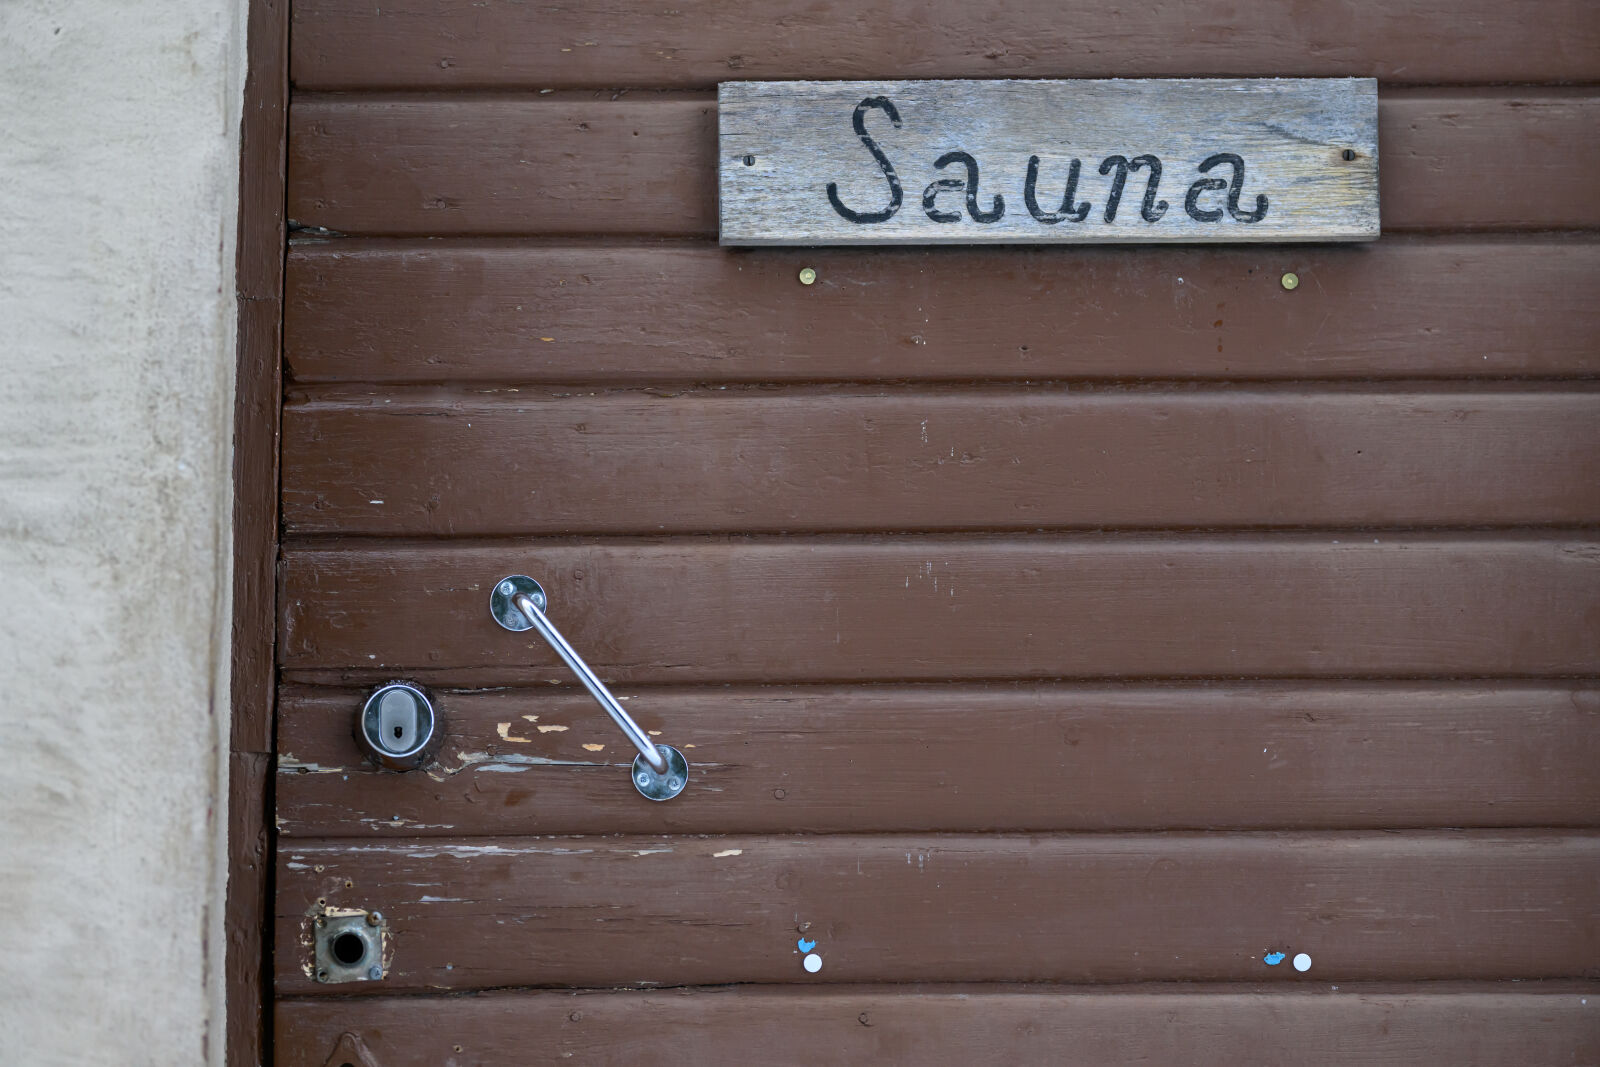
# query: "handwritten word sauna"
1214,196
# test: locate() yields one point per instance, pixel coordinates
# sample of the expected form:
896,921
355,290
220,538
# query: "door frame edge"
259,272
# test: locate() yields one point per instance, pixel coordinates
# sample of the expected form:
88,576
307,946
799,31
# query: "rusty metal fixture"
349,947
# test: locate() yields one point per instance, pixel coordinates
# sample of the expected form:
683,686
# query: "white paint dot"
1302,962
813,962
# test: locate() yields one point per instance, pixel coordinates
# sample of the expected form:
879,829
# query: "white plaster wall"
118,194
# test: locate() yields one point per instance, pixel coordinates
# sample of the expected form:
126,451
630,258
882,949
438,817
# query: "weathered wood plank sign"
990,162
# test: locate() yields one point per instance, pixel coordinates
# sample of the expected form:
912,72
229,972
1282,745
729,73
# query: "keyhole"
398,720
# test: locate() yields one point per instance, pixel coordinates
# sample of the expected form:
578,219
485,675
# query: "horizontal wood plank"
448,165
991,162
349,44
620,911
942,608
475,311
526,462
913,758
1386,1026
1431,143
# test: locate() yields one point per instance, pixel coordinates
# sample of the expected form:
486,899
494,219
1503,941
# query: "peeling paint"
504,730
500,761
464,852
594,748
288,764
397,823
553,729
727,852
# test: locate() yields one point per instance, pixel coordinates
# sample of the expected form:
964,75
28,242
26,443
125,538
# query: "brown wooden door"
1056,636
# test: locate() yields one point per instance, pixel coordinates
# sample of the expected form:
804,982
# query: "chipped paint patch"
466,852
396,823
594,748
287,764
553,729
727,852
502,761
531,718
504,730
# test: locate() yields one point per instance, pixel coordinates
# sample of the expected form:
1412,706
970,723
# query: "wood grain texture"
944,608
259,268
348,44
1552,137
961,758
1386,1026
986,162
487,165
527,462
479,311
621,911
246,920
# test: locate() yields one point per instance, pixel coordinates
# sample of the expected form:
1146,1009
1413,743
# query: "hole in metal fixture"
1348,154
348,949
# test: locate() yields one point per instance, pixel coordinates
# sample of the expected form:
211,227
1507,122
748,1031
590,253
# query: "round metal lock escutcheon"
398,727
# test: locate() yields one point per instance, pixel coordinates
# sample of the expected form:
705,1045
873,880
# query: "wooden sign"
1068,162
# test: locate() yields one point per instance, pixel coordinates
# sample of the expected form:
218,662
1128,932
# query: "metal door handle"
659,771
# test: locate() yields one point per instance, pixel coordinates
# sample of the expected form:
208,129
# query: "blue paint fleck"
1272,959
807,946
